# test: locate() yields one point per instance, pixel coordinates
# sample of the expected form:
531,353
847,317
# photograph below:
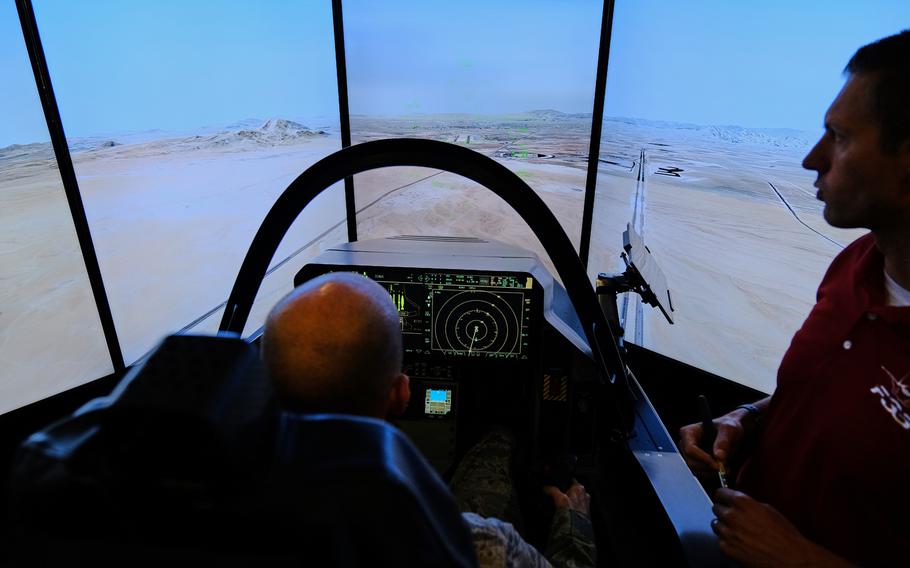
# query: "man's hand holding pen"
732,431
749,532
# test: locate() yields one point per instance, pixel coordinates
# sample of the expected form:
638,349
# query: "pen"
708,435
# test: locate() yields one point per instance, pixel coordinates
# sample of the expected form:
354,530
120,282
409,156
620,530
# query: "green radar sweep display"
461,314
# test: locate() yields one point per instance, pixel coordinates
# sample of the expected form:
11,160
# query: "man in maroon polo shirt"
826,481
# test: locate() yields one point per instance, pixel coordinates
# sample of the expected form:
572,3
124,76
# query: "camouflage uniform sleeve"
497,544
571,541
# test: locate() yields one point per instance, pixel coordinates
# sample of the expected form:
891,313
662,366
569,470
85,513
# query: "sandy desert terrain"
732,219
171,220
50,333
728,213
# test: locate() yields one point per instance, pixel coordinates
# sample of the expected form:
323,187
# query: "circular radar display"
476,322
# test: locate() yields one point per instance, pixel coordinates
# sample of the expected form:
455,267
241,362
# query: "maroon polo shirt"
834,452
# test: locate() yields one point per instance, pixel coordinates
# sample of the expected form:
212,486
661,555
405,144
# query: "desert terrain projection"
728,213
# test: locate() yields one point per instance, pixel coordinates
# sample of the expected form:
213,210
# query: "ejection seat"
189,460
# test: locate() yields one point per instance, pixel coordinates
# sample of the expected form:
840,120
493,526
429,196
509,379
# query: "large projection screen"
710,108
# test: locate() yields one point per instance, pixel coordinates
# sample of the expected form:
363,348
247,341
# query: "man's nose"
814,159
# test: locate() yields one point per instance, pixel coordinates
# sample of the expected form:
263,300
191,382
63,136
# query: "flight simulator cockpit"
473,315
173,173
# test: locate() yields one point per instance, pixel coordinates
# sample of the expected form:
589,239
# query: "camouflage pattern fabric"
498,545
483,489
482,482
571,541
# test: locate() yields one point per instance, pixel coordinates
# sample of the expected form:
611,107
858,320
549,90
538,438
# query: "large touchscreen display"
461,314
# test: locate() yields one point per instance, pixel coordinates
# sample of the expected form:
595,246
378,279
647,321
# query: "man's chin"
831,218
839,221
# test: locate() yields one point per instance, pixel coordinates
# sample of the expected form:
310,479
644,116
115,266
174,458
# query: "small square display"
438,401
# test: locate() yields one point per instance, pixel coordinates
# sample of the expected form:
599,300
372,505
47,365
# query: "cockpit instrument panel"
460,313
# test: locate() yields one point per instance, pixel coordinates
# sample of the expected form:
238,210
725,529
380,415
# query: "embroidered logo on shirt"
896,399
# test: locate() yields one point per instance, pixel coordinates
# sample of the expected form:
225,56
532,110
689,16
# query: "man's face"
861,185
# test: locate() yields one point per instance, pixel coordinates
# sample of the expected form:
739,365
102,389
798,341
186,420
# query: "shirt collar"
869,287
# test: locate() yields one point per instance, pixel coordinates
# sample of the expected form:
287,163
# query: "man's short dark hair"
888,59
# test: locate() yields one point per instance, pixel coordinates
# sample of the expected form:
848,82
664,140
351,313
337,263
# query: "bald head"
334,345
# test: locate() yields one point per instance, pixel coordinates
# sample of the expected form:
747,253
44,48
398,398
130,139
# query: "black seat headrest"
189,458
364,478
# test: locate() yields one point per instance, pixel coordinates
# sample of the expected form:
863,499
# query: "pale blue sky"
23,119
472,56
774,63
130,66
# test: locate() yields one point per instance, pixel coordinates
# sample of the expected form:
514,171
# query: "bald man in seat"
334,345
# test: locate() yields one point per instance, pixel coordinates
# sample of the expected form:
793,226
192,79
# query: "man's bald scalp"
334,345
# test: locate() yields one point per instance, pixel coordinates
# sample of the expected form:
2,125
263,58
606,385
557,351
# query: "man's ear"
400,395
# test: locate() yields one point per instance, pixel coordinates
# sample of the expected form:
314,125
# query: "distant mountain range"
778,137
550,114
282,131
21,153
271,132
